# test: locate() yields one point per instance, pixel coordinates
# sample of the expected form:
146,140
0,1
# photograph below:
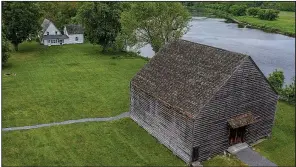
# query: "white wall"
52,29
72,40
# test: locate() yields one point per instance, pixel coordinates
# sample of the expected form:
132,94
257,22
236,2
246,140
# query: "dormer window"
47,33
56,33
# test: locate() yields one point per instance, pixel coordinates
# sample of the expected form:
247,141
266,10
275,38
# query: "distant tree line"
287,92
282,6
262,10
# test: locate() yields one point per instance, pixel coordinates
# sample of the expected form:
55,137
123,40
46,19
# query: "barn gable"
247,92
186,75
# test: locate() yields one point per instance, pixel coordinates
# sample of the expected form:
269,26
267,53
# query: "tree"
5,47
276,79
155,23
268,14
288,93
21,19
101,21
60,13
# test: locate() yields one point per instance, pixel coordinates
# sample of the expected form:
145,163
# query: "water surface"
268,50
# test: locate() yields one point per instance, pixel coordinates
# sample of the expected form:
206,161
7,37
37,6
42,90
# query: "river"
268,50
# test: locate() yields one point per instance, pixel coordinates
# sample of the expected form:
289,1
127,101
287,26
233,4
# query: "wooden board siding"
246,91
169,126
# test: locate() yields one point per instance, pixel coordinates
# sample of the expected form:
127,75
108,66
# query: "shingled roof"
185,75
45,37
45,24
74,29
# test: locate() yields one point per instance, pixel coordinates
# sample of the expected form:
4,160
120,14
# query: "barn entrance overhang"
241,120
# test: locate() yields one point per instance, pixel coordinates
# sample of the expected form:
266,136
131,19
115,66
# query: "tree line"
282,6
114,25
262,10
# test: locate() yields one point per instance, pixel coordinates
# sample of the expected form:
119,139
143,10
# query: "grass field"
64,82
117,143
280,149
77,81
285,23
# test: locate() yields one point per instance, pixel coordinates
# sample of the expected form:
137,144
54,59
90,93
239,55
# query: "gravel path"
123,115
253,158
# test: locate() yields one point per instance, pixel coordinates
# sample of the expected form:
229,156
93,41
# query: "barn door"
237,135
195,154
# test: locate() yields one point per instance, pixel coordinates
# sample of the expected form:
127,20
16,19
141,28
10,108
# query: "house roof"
74,29
45,37
45,24
185,75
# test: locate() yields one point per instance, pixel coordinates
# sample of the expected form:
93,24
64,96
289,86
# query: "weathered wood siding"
170,127
245,91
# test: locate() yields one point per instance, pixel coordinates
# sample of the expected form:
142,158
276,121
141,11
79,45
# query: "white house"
74,32
50,35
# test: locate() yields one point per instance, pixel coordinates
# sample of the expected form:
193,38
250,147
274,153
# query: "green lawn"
77,81
64,82
116,143
280,149
285,23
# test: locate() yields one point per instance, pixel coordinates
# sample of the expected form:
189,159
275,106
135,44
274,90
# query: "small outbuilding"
199,100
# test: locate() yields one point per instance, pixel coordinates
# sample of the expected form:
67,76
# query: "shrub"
268,14
253,11
276,79
288,93
238,10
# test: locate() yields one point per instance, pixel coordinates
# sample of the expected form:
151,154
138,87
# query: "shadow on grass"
124,55
27,47
7,66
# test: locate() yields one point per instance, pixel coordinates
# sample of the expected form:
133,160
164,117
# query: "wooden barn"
198,100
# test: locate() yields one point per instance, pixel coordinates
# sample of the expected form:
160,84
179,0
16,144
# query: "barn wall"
170,127
245,91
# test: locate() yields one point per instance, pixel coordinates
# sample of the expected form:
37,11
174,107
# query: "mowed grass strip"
116,143
280,149
284,23
59,83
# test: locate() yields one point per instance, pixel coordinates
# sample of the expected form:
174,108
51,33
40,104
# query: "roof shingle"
74,29
186,75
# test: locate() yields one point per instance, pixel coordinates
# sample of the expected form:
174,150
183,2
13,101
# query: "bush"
276,79
288,93
238,10
268,14
253,11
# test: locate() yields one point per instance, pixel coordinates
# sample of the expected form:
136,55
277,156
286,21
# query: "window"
76,38
48,41
56,33
47,33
